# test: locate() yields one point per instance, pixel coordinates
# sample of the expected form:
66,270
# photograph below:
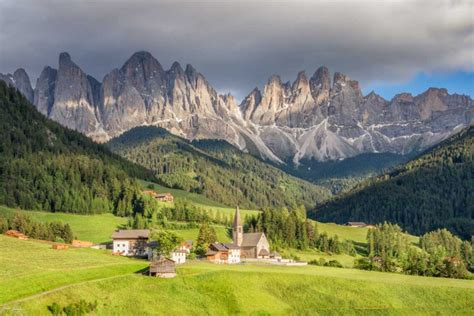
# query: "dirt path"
5,307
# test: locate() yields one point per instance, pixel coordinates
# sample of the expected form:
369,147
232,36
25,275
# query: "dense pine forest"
432,191
44,166
215,169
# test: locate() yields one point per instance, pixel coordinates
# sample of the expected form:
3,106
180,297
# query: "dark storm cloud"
239,44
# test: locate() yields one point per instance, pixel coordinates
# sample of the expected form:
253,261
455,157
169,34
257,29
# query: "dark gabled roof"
180,251
263,252
210,252
274,254
131,233
251,239
231,246
163,265
218,246
356,223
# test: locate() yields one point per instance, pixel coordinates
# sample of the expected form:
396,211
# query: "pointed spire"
237,221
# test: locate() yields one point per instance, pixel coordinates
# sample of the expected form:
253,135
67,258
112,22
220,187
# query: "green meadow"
33,276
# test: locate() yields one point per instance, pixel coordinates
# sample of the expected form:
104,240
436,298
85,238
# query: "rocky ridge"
310,118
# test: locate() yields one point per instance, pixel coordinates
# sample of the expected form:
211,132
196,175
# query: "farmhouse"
356,224
223,253
163,197
133,242
252,245
179,256
163,268
186,245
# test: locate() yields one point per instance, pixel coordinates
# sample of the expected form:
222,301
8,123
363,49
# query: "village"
245,247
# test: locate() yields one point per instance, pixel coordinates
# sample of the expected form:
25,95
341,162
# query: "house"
252,245
233,253
217,253
179,256
132,242
163,268
164,197
186,245
356,224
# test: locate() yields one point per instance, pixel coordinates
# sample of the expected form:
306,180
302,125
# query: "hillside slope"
431,191
215,169
45,166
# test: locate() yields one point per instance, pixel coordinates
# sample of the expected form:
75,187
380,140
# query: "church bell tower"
237,229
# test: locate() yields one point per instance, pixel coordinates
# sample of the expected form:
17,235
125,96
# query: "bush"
73,309
333,263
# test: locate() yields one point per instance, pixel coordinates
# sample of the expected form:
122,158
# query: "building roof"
231,246
163,265
251,239
274,254
163,194
237,221
356,223
263,252
131,233
218,246
179,251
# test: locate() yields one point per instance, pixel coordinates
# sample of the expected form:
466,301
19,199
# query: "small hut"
163,268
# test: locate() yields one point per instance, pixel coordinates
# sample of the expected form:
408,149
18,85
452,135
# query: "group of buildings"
244,246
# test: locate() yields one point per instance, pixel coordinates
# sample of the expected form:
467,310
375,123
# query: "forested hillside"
214,169
45,166
432,191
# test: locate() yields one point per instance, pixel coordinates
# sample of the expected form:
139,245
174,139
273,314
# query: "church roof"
263,252
251,239
237,221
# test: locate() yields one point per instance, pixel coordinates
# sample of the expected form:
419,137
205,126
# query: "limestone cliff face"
310,118
21,81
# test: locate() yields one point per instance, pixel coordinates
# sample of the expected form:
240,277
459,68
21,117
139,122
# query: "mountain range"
317,118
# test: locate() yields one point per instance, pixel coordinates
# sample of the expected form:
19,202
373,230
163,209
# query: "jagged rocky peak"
44,90
432,100
74,97
20,81
250,102
320,85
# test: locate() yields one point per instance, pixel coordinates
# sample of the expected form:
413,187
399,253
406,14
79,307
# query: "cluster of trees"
290,228
149,213
45,166
215,169
440,254
52,231
431,191
74,309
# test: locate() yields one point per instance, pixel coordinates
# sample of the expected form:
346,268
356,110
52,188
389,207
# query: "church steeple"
237,229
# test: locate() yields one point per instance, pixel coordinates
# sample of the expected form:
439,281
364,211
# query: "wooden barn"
163,268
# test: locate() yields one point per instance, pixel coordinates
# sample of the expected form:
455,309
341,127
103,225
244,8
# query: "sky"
390,46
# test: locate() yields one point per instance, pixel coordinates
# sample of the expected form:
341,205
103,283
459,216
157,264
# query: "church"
243,246
252,245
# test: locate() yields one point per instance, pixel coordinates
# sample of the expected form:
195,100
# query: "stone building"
252,245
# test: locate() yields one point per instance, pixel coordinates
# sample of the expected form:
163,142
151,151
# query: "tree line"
438,253
291,229
52,231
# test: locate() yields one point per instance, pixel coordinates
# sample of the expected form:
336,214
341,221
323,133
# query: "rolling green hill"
201,288
214,169
432,191
48,167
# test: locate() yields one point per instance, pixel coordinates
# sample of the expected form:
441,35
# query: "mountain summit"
312,118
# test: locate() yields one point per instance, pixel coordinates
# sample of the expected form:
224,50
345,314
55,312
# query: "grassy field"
99,228
198,200
203,288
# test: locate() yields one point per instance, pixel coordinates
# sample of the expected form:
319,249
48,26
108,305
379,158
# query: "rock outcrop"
310,118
